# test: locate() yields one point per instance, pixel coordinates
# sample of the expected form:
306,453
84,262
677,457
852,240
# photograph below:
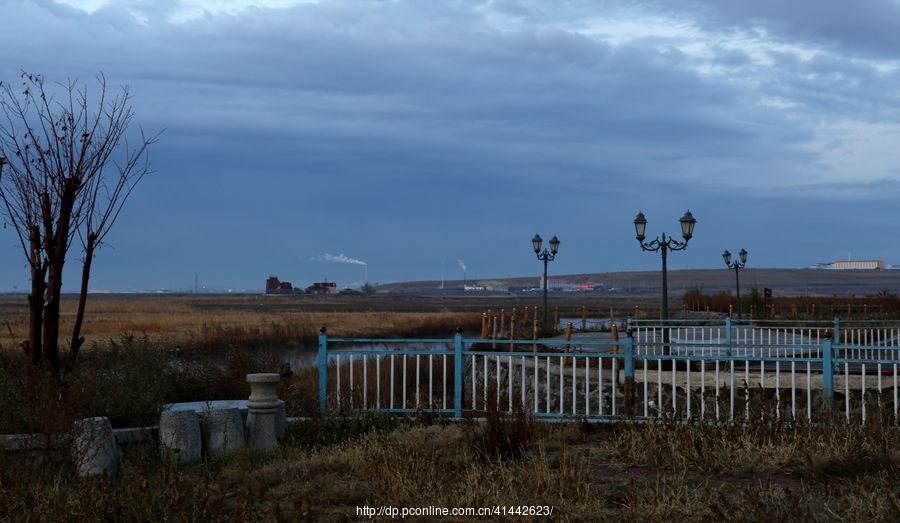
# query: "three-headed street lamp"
546,257
737,265
664,244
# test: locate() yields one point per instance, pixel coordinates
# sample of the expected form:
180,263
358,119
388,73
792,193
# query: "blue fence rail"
731,379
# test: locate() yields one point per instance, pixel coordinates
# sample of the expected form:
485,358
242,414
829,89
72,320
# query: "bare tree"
61,182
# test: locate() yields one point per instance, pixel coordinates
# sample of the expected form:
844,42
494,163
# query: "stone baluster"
263,404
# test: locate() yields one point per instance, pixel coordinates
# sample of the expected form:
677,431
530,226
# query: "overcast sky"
404,133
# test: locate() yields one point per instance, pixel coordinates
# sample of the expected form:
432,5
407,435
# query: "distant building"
851,265
276,286
324,287
492,286
559,285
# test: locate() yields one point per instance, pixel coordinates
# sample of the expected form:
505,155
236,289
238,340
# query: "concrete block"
222,430
180,435
93,447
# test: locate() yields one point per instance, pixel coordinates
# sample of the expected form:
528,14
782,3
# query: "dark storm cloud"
339,123
860,28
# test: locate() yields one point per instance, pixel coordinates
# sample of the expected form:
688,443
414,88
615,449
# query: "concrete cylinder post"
263,406
180,436
93,447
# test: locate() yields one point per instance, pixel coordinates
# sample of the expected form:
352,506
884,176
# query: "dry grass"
221,321
585,473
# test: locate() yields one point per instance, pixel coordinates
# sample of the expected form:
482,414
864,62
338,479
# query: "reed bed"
222,321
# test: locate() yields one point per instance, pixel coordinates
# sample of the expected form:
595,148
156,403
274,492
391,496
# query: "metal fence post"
728,333
458,347
828,372
629,373
322,361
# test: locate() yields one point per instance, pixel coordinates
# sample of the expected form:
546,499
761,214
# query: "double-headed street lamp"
664,244
546,257
737,266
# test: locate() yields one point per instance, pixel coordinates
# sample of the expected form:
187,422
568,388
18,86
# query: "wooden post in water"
583,318
555,319
813,310
612,315
534,332
614,335
707,312
637,312
494,334
525,317
502,323
729,309
568,335
484,325
794,311
512,325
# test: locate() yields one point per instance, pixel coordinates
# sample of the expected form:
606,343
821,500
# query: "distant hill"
781,281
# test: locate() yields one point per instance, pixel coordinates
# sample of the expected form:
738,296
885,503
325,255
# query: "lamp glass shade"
640,226
536,242
743,255
687,225
554,245
727,257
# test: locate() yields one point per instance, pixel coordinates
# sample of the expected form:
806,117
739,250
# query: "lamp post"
546,257
664,244
737,265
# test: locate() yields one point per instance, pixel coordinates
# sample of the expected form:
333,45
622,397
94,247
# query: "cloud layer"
302,126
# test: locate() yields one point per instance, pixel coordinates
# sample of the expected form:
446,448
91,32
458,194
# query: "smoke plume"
461,265
341,258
